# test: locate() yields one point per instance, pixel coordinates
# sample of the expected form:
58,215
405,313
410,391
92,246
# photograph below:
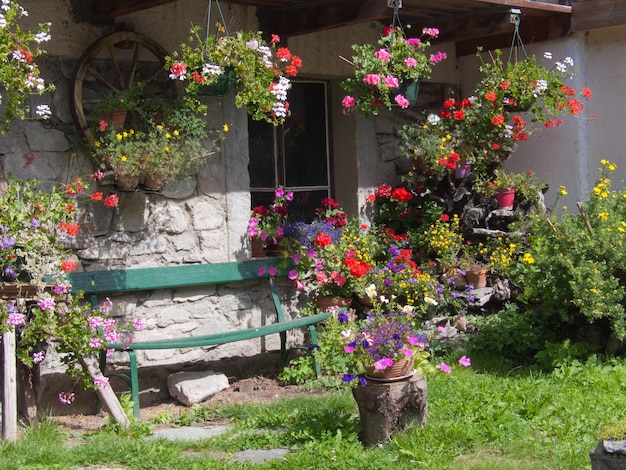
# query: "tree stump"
386,407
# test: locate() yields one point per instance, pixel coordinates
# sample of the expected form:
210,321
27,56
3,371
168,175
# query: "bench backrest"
168,277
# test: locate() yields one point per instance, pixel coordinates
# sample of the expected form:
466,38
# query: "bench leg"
316,365
283,348
134,383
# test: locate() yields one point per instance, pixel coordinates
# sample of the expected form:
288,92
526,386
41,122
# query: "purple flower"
9,271
101,381
362,381
59,289
67,398
15,319
273,271
47,303
348,378
342,317
293,275
39,357
7,242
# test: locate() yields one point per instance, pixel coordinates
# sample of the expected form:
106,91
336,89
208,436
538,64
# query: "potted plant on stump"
392,392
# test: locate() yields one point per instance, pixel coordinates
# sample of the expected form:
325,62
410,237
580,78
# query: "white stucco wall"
570,155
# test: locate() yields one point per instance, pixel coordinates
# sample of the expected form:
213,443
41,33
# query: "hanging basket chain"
208,18
516,42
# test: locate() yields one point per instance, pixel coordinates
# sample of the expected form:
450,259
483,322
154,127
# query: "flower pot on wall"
462,169
117,118
325,301
127,182
257,248
153,183
505,198
477,278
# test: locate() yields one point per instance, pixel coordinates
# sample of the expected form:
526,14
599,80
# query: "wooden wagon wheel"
116,62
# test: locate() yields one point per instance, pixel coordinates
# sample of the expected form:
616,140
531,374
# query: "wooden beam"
310,17
532,5
102,11
595,14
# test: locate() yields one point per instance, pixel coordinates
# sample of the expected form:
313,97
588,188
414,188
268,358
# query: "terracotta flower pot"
153,183
325,301
477,278
126,182
402,368
257,248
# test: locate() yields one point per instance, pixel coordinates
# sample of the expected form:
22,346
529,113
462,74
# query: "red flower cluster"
331,212
323,239
401,194
357,268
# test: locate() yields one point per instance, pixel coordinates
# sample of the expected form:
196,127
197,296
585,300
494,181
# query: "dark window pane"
305,136
261,151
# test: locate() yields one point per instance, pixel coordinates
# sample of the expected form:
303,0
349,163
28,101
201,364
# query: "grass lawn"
478,419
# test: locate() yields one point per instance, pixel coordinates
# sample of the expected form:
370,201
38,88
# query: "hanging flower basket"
222,85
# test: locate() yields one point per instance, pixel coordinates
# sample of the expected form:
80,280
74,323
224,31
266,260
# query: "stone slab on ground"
191,388
190,433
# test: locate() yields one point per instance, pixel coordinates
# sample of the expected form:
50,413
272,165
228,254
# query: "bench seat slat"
124,280
222,338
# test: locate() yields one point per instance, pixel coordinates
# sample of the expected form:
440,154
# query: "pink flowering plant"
77,329
262,71
19,73
268,223
381,340
38,224
382,72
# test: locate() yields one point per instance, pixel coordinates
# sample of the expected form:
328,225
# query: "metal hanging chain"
208,18
396,4
517,39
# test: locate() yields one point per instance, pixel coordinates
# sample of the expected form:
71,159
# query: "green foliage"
380,70
512,419
261,81
298,371
19,74
574,267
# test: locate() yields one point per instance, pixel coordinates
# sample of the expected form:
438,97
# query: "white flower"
560,67
346,334
5,5
542,85
43,111
212,69
3,21
42,37
547,55
408,309
433,119
430,301
568,61
370,291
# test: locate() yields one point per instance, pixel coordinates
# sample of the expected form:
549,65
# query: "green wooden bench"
100,283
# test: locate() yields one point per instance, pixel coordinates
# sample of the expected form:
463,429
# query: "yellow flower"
97,144
168,135
528,259
563,191
603,215
123,158
612,166
225,127
176,132
119,136
604,161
